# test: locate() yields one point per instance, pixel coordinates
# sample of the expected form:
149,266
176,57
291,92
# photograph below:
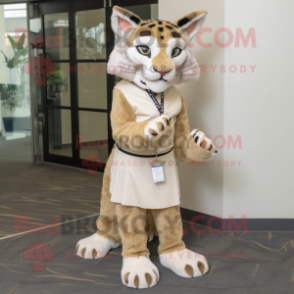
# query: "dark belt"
145,156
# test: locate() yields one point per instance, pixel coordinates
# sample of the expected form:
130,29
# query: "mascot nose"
162,73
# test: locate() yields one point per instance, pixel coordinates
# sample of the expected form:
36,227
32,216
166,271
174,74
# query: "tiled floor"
37,195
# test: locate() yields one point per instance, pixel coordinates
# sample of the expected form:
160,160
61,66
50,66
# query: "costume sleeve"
128,133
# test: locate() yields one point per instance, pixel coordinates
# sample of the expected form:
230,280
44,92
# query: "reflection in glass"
93,135
92,85
56,36
90,32
59,132
58,85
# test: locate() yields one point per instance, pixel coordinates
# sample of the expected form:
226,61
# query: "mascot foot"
139,272
94,247
185,263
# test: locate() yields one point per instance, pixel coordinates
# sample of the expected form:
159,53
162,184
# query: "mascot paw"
94,247
154,128
139,272
185,263
202,141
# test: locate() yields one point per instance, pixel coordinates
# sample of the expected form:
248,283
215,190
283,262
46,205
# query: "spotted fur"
160,35
153,54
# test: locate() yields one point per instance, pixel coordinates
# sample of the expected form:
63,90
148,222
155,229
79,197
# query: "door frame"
70,7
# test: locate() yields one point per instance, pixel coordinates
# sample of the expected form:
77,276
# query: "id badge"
157,171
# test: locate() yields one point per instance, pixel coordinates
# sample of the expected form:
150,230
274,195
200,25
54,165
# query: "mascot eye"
144,50
176,52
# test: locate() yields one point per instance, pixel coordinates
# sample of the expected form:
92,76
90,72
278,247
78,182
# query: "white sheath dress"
131,176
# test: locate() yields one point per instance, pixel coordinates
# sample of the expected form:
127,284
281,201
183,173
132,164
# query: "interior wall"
202,186
259,107
254,105
15,24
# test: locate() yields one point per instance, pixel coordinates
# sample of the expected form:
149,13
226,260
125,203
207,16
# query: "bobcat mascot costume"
151,130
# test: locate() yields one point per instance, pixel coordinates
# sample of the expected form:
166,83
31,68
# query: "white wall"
202,187
260,107
256,106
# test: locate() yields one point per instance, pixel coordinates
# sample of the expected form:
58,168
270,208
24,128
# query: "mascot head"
154,54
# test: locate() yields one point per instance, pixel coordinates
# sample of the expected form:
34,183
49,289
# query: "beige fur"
119,58
201,267
134,237
191,15
125,128
189,270
134,226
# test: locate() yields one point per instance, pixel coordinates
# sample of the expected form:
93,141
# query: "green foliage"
55,79
11,95
20,53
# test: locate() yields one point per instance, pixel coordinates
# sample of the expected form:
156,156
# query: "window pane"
15,14
90,32
92,85
56,36
93,135
59,127
14,6
58,85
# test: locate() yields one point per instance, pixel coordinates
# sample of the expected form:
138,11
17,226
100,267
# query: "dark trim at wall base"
237,225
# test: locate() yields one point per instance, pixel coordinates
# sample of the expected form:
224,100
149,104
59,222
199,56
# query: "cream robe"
131,177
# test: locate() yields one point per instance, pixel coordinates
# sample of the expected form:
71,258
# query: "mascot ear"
123,20
191,23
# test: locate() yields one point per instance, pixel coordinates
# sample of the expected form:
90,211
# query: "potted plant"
54,84
12,95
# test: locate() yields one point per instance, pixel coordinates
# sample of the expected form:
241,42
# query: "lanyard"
159,107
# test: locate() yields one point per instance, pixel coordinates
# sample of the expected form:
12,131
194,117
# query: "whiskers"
127,68
183,69
143,67
188,70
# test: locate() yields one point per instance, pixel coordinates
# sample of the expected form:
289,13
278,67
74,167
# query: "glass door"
69,74
75,85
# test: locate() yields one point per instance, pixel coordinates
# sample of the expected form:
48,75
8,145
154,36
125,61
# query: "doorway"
15,115
70,45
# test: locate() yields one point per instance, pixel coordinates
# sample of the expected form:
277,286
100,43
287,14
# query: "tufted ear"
123,20
191,23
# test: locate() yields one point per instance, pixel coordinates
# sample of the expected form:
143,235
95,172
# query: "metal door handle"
43,118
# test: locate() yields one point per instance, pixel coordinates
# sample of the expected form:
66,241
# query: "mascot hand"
157,127
200,147
202,141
